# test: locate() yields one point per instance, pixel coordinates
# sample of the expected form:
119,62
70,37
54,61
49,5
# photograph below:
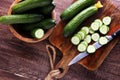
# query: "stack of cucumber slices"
95,33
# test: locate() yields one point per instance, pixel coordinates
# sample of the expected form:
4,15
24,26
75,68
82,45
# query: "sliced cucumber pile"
95,33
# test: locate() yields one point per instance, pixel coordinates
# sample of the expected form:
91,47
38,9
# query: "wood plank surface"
32,61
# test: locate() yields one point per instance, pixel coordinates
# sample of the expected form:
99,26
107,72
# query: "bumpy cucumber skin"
78,19
44,24
75,8
29,4
24,18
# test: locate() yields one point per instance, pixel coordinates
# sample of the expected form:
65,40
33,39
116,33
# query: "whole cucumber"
44,24
75,8
23,18
29,4
78,19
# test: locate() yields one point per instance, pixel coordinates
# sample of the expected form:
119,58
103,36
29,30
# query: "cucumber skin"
44,24
75,8
29,4
24,18
78,19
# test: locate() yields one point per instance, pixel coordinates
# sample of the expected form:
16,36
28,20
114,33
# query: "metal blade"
80,56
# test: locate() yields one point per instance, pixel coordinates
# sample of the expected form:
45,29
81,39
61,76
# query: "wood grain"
31,60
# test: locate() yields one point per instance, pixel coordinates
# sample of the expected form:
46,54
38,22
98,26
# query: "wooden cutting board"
92,62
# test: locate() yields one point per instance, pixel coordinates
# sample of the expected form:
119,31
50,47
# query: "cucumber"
29,4
82,34
88,39
106,20
75,8
37,33
95,26
76,39
91,31
81,47
86,29
95,37
78,19
44,24
91,49
24,18
103,40
104,29
100,22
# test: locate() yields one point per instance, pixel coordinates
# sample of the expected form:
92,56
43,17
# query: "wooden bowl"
22,36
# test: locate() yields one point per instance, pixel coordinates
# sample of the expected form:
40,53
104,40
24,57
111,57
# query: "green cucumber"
37,33
78,19
29,4
44,24
24,18
75,8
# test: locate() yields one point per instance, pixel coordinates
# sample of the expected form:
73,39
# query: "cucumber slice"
88,39
91,49
95,26
95,37
100,22
91,31
81,47
106,20
104,29
38,33
76,39
82,33
84,42
86,29
103,40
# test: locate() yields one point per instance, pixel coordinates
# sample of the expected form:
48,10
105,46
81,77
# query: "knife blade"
82,55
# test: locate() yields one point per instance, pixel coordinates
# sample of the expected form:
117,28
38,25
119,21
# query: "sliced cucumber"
81,47
82,33
88,39
100,22
38,33
91,49
95,37
76,39
103,40
86,29
84,42
106,20
91,31
104,29
95,26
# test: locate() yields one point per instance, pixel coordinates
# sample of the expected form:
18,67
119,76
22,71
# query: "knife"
82,55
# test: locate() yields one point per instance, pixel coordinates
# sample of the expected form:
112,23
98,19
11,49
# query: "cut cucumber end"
38,33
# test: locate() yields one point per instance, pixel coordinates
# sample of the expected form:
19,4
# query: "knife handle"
116,34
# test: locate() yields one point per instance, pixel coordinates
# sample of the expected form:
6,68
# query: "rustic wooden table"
32,61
